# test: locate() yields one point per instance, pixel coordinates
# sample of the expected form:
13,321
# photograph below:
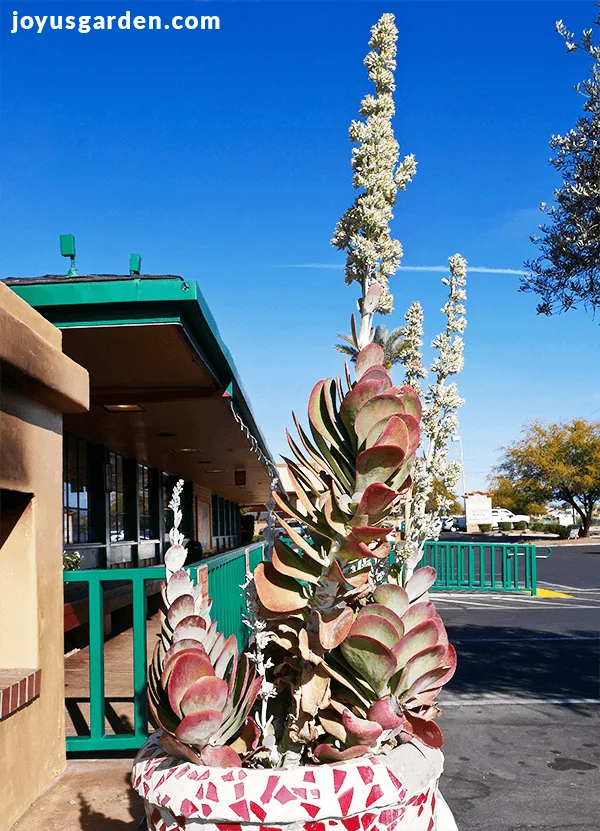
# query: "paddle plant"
357,665
200,691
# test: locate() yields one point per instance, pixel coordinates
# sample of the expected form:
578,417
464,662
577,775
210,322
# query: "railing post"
533,570
96,657
140,712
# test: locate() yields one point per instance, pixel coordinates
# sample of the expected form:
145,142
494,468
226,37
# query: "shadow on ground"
525,662
91,819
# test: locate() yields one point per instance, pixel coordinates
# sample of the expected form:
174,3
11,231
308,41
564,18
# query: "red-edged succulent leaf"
208,693
179,583
419,613
278,592
192,627
421,581
179,646
374,502
321,411
198,728
182,607
368,533
390,431
376,409
421,663
177,749
374,661
353,550
423,636
411,400
378,373
188,667
173,660
450,662
375,626
386,712
175,557
300,541
289,562
385,612
326,754
376,465
227,655
360,393
220,757
394,597
426,732
360,731
414,433
334,626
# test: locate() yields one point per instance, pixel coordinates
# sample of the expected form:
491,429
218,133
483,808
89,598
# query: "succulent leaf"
372,659
394,597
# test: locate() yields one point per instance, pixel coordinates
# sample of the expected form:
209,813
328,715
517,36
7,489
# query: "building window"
76,492
147,500
116,498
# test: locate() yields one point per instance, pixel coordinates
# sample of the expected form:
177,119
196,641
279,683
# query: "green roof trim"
116,300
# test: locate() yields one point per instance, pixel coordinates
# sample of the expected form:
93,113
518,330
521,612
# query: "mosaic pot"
397,790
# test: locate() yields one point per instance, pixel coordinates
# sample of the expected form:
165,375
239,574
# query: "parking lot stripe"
484,702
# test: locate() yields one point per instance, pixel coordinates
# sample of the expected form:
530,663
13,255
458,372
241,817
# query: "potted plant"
327,722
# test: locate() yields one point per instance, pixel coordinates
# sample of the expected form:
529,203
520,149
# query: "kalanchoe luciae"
200,692
347,661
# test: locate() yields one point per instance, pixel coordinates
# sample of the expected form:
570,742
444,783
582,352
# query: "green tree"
558,462
567,271
441,498
516,497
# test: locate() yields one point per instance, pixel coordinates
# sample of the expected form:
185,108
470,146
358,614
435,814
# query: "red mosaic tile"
239,790
388,816
351,824
374,794
211,792
228,777
206,810
395,781
338,778
205,775
283,795
366,774
345,800
309,776
228,827
313,810
188,808
367,820
272,783
314,826
241,809
315,793
301,792
258,811
182,771
200,792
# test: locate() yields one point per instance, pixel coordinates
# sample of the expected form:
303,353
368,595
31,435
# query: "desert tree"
567,270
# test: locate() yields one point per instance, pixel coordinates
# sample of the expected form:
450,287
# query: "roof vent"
135,264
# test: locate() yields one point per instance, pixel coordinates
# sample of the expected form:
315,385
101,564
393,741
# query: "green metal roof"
114,300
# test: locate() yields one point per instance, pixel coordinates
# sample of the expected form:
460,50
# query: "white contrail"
477,269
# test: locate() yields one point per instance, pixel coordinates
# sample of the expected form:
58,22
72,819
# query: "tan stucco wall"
32,385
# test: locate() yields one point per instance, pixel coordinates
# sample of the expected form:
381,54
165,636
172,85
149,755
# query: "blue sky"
223,157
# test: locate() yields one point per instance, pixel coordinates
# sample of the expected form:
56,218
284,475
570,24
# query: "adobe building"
166,402
38,383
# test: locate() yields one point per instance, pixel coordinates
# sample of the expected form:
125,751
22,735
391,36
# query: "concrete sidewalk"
91,795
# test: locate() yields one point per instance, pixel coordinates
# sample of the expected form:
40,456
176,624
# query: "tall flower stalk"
363,232
440,420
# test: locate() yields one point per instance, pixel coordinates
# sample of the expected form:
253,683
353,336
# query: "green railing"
482,566
226,573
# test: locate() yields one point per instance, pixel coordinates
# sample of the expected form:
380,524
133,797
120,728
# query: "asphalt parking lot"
521,717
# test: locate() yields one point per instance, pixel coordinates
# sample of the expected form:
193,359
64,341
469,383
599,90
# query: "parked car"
460,522
504,515
448,523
